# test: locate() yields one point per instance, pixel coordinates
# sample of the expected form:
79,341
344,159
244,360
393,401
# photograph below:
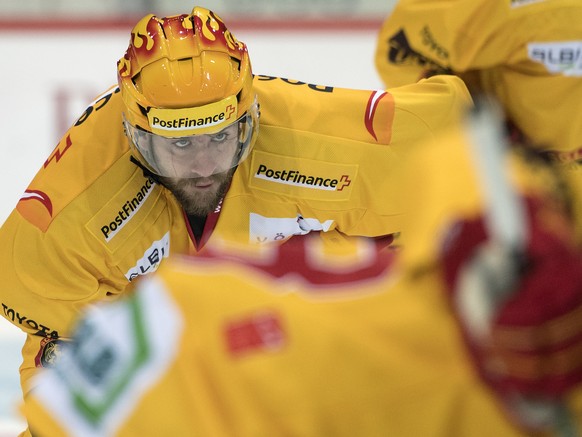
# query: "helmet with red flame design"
184,80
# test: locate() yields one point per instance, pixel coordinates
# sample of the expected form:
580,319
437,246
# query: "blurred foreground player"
474,330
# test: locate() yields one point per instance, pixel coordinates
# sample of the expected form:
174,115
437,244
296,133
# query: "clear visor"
195,156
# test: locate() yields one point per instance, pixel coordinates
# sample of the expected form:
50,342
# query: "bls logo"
151,259
564,57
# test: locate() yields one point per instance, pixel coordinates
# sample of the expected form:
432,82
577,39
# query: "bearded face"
199,196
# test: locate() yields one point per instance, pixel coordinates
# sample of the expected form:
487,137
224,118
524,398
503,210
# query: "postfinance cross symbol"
344,181
229,111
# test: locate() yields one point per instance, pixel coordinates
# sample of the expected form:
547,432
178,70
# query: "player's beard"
199,196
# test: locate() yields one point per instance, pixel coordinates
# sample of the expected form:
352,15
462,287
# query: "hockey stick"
507,224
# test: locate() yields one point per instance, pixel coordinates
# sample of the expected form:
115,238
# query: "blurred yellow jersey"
528,53
90,222
283,343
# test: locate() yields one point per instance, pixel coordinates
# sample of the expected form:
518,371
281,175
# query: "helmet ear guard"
249,130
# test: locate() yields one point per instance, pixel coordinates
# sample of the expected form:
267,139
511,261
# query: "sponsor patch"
301,177
118,353
27,324
151,259
519,3
262,332
563,57
49,352
429,40
269,229
189,121
126,211
400,52
132,204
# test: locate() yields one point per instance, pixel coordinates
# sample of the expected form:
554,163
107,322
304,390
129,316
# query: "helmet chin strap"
146,172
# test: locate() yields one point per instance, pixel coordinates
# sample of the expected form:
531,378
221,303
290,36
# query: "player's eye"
181,143
219,137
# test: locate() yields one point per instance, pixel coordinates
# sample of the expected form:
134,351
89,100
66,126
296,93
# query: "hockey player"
526,53
172,161
475,331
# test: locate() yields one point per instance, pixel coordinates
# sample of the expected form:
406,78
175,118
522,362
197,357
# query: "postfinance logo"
344,181
193,121
303,177
126,211
295,177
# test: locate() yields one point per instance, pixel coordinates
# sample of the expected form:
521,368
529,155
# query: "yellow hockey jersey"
204,349
281,345
90,222
304,339
528,53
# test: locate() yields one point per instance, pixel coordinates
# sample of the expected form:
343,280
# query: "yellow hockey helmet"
184,76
